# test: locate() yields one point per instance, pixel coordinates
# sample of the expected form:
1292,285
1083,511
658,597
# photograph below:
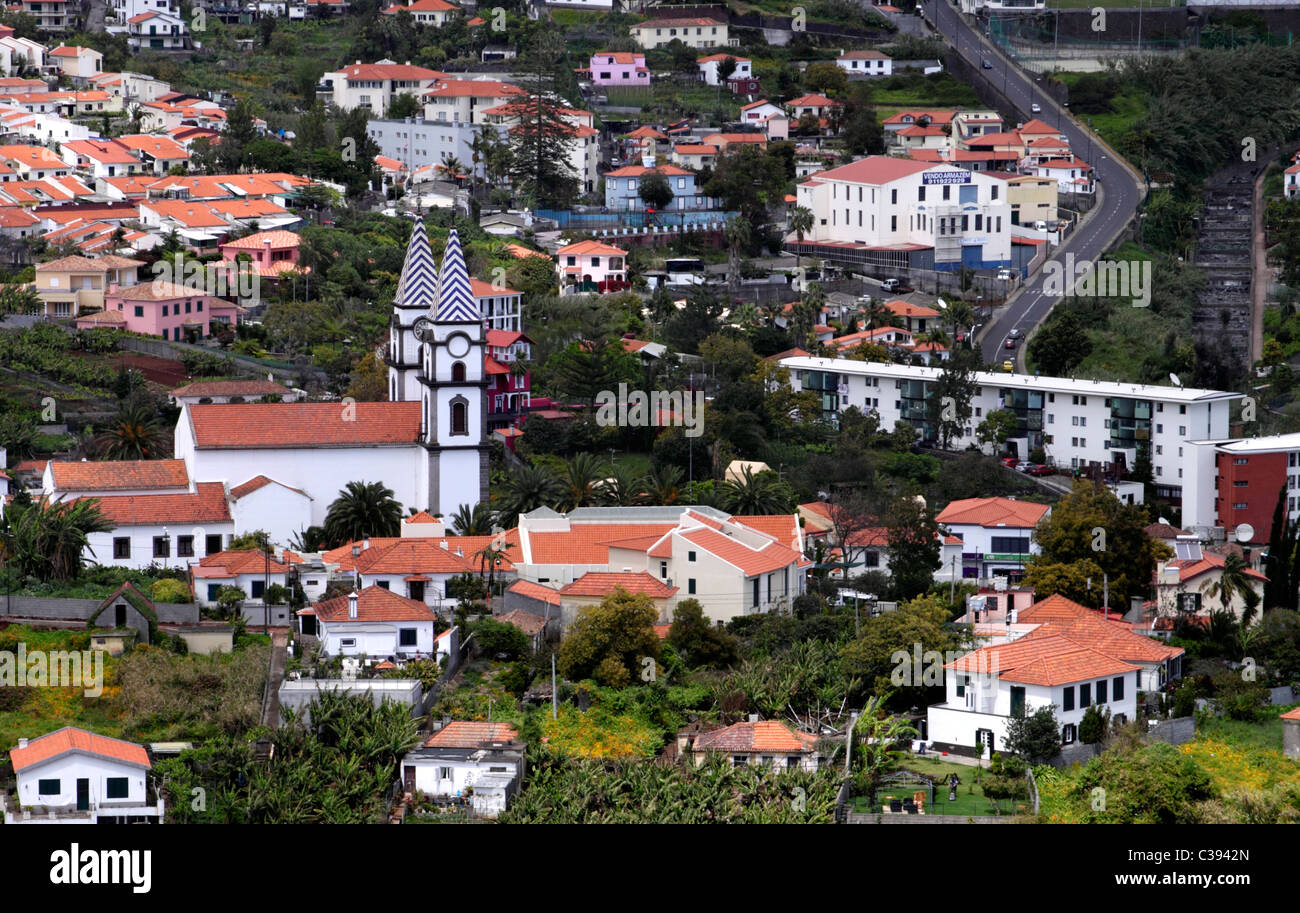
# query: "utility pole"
952,585
555,711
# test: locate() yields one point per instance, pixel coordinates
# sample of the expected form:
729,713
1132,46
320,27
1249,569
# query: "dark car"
986,64
1010,343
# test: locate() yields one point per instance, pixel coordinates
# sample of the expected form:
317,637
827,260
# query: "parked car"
1036,107
1025,466
1016,333
1009,462
1006,275
1009,365
986,64
1042,470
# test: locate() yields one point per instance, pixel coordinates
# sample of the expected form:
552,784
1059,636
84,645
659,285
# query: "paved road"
1120,191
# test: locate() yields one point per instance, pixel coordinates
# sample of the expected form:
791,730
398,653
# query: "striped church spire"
456,302
418,285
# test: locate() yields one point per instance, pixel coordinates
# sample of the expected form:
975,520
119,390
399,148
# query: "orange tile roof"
675,23
280,425
69,739
1093,631
258,482
385,71
813,101
374,603
749,561
874,169
207,504
1189,569
422,516
481,289
1291,714
536,591
123,475
600,583
587,543
233,562
766,735
993,512
636,171
784,528
645,132
1046,659
1053,608
278,238
420,555
527,622
463,734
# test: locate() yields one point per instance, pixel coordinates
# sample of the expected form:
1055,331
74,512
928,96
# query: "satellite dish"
942,304
1162,520
1244,532
1176,381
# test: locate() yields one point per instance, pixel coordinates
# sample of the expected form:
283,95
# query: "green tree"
1036,736
913,538
1235,579
527,488
878,735
883,655
949,404
611,641
1091,525
997,426
404,105
698,643
472,520
539,143
1153,784
45,540
655,191
363,510
761,493
1061,344
1094,725
496,637
826,77
136,432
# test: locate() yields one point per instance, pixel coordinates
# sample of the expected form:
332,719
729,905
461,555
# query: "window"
48,788
444,773
458,371
690,586
212,544
121,547
961,685
386,584
185,546
690,556
1067,698
162,547
1101,691
1117,688
1068,733
164,313
117,787
1085,696
459,417
348,642
406,637
139,310
258,588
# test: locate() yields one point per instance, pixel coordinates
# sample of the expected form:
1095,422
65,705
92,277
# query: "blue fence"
566,218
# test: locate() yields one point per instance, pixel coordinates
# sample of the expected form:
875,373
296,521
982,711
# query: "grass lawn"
970,797
1265,734
1128,107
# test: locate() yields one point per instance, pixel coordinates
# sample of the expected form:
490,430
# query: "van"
1040,225
891,285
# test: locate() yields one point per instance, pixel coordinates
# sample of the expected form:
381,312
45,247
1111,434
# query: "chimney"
352,605
356,551
22,743
443,545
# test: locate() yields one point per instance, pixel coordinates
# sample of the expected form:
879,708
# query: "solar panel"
1187,551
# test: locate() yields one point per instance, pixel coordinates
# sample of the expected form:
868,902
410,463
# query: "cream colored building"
695,33
72,285
1032,198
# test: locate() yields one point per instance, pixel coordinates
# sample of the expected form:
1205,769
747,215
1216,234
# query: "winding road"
1119,193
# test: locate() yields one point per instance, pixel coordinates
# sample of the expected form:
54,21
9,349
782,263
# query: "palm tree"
1234,580
473,520
490,557
662,485
737,235
361,511
581,480
620,489
755,494
46,539
528,488
136,433
801,222
452,167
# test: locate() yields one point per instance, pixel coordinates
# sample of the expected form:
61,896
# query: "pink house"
164,309
619,68
271,252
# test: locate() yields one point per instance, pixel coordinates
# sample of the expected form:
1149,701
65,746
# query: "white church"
429,443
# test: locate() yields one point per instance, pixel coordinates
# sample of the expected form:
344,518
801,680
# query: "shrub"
168,590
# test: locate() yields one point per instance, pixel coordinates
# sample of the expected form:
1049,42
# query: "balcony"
109,808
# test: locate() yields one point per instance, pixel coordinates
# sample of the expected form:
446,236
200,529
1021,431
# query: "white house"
77,62
937,215
994,537
157,30
988,686
231,391
373,622
699,32
1072,174
426,12
765,743
375,85
480,762
250,570
709,68
1190,586
866,63
72,776
1291,180
590,261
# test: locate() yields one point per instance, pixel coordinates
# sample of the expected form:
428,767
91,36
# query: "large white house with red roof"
1057,653
921,214
733,565
373,622
995,537
375,85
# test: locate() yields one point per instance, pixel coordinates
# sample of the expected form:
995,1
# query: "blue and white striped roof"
418,285
456,303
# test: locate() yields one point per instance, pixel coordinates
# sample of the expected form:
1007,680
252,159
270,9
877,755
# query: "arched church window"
458,371
459,415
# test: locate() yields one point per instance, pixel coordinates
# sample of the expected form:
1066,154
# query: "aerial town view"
643,412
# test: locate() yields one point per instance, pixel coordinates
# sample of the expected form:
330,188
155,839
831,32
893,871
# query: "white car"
1036,108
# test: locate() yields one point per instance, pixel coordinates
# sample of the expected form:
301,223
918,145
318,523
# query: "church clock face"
458,346
423,329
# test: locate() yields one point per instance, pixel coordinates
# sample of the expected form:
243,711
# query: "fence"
626,220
